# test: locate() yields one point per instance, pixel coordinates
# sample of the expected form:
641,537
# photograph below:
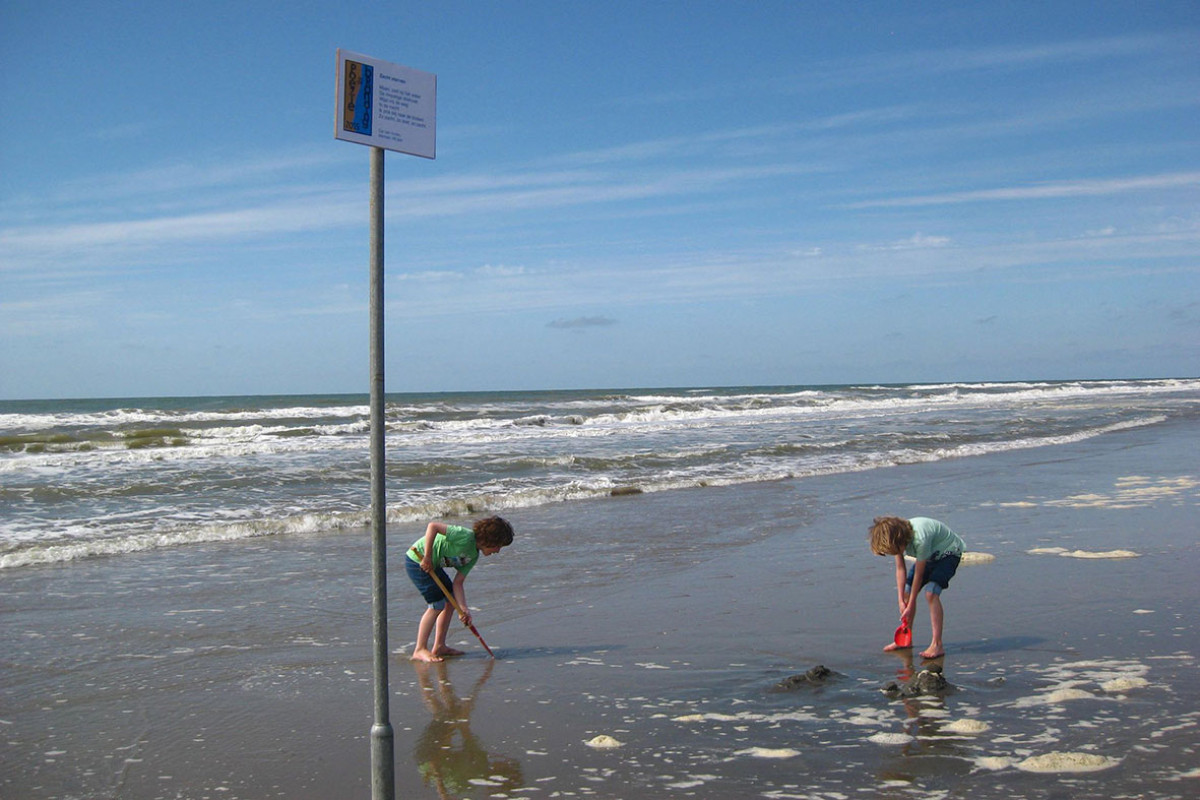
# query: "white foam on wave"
61,551
151,417
307,445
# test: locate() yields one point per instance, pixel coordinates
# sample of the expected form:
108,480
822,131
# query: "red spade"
903,635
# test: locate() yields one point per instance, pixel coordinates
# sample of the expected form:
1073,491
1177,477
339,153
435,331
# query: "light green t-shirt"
455,548
932,539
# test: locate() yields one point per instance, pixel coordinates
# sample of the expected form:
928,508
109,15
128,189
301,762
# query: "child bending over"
449,546
937,551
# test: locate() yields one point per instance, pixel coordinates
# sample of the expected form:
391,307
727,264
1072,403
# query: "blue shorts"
938,571
429,590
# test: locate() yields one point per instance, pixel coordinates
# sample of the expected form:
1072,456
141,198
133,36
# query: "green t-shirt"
932,539
455,548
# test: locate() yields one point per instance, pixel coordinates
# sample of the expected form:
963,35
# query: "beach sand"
641,644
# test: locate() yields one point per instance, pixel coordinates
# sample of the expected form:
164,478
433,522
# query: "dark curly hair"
493,532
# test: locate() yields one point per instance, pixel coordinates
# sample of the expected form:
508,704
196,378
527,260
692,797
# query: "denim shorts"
429,590
938,571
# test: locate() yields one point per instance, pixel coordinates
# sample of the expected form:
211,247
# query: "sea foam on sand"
603,741
1067,762
768,752
966,726
1062,551
884,737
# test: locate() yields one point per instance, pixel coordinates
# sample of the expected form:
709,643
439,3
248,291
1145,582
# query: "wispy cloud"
1041,191
35,246
228,214
918,241
955,60
577,323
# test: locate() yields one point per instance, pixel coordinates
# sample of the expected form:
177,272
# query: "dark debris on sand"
817,676
929,681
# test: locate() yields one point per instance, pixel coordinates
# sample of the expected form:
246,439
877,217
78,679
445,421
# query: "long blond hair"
890,535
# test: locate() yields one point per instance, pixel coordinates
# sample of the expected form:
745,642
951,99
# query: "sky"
625,194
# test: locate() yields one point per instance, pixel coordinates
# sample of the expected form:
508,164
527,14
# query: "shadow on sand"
997,645
528,653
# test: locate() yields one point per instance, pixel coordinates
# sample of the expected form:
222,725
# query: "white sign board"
386,105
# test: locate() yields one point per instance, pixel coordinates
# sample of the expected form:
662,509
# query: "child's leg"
441,630
424,628
936,615
892,646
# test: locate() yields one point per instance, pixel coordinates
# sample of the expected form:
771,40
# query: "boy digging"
449,546
937,551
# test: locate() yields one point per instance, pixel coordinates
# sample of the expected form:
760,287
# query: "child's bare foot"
426,655
933,652
448,651
892,647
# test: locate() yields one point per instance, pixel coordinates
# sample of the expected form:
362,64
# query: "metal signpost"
387,107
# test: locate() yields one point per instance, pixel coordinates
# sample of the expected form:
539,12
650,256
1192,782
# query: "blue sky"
625,194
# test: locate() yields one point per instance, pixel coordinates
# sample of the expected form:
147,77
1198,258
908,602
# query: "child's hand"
465,616
426,563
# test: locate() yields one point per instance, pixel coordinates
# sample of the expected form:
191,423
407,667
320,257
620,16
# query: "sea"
110,477
186,595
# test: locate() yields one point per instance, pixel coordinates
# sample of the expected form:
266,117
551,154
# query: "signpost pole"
386,107
383,765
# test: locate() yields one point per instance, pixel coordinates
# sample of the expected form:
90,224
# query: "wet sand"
641,641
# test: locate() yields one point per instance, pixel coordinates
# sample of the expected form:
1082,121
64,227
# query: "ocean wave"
25,433
81,541
131,417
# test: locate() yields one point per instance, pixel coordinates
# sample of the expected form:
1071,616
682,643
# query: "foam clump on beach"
1056,697
1067,762
1104,554
768,752
970,726
883,737
1124,684
1062,551
603,742
972,559
1110,676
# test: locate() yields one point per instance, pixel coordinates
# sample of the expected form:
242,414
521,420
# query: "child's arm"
901,574
431,532
910,609
460,596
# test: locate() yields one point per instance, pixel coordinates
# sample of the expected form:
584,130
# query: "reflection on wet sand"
449,756
926,748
